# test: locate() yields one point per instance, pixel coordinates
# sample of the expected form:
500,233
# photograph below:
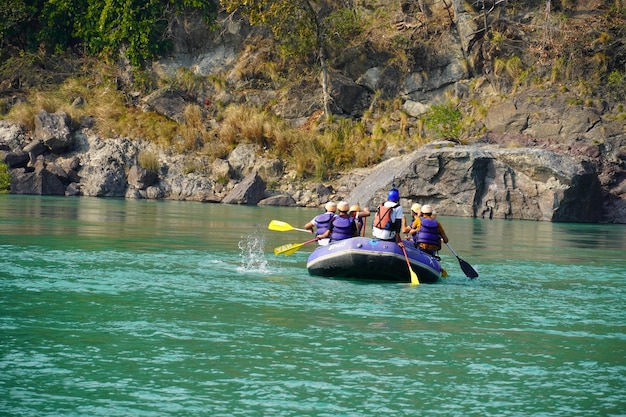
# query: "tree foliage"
294,23
101,27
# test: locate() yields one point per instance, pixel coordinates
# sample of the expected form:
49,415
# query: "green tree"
18,23
103,27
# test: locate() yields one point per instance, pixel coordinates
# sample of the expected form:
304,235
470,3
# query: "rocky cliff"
533,152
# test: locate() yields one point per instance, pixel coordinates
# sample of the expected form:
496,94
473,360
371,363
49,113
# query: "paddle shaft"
414,279
468,270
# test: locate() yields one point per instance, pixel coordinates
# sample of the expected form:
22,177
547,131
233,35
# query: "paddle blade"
291,248
414,279
284,227
280,226
288,249
467,269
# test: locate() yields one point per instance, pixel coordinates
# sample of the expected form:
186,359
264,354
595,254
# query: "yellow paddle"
284,227
290,248
414,280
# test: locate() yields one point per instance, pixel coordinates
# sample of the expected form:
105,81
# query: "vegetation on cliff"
88,59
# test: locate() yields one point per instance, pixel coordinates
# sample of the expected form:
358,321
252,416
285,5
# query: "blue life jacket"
428,232
342,228
322,222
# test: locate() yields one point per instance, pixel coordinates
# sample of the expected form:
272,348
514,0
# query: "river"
112,307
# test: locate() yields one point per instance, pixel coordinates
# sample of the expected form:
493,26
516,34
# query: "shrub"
5,178
444,121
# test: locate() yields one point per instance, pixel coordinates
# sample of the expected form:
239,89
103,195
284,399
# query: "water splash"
253,254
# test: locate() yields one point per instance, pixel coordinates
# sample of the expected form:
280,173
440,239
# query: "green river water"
115,307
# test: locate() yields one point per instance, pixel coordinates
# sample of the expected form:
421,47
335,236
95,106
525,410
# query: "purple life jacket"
342,228
428,232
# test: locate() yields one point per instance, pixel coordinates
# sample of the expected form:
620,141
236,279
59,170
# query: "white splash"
253,254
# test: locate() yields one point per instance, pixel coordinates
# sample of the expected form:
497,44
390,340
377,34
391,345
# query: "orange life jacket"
382,219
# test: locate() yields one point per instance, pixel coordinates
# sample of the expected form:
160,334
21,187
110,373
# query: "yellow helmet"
354,207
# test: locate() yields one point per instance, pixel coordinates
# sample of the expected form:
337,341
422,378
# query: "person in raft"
320,223
429,232
416,213
342,226
359,217
388,220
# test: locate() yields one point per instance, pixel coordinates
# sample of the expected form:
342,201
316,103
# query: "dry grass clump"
245,124
148,160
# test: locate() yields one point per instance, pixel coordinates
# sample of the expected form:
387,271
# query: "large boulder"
53,130
489,182
190,187
346,94
249,191
169,102
39,181
103,164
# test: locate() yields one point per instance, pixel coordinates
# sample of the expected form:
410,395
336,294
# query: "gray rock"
107,180
492,182
242,160
72,189
278,200
249,191
37,182
191,187
53,130
11,136
346,94
17,159
505,117
34,149
141,178
168,102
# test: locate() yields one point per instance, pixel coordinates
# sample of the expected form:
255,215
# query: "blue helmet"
393,195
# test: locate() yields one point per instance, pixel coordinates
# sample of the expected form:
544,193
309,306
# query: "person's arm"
412,229
442,233
309,227
405,229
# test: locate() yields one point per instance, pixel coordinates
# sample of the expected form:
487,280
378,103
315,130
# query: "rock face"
483,180
537,156
488,182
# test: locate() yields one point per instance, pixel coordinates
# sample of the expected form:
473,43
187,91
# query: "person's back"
388,219
430,232
342,225
321,223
